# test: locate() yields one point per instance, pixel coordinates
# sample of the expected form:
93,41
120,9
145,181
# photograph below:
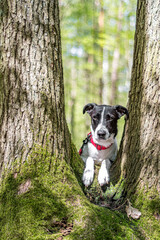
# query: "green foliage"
114,192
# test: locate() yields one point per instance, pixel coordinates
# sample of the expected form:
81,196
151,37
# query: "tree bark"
31,79
74,79
139,152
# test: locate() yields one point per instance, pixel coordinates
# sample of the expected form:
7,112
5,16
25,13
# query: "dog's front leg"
88,172
103,176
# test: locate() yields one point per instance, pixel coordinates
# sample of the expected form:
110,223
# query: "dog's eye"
109,118
95,117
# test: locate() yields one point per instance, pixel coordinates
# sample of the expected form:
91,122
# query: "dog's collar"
90,139
99,147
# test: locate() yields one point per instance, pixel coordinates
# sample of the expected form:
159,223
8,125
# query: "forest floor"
45,200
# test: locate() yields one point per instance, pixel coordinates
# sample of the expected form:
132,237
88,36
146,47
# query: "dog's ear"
89,107
121,111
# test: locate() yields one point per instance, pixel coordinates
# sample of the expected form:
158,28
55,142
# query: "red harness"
90,139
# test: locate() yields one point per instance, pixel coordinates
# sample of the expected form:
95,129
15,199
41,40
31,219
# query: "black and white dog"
100,146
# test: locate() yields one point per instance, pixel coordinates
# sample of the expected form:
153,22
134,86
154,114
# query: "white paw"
88,177
103,177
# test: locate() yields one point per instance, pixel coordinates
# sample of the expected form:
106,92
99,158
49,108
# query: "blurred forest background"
97,46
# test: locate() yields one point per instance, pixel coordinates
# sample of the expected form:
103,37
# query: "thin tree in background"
116,59
101,34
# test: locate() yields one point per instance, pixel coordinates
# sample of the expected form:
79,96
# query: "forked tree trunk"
43,202
139,153
31,79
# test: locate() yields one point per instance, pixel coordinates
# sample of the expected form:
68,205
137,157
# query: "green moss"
148,202
26,215
52,197
77,164
4,8
115,192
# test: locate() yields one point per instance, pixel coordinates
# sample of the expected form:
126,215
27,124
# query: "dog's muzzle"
101,134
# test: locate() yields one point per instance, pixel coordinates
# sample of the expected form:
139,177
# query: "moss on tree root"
42,199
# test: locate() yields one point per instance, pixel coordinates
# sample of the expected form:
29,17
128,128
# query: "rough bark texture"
31,80
139,152
73,99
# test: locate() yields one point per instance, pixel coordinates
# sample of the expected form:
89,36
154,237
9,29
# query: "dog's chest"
95,153
98,155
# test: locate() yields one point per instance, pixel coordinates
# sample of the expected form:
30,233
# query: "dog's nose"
101,134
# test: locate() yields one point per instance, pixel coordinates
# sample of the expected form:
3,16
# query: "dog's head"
104,120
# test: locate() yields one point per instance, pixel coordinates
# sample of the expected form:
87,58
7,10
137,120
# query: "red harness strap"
80,151
90,139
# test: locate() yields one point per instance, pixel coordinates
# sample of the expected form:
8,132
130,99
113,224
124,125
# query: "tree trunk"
139,152
74,79
101,31
116,58
114,77
88,85
32,92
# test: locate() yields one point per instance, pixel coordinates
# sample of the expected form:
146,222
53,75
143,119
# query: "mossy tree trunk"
36,175
31,81
139,152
